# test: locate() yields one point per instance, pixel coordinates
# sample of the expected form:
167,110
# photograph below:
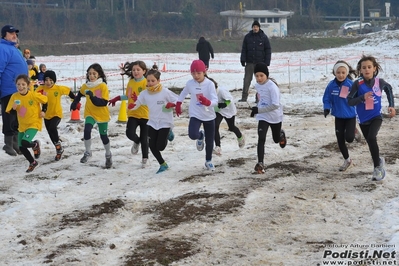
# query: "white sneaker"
144,162
85,157
241,142
209,165
135,148
217,150
345,165
200,141
378,174
379,171
108,161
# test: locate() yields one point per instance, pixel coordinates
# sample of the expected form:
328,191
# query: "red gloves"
178,109
78,106
170,105
204,101
114,100
134,96
131,106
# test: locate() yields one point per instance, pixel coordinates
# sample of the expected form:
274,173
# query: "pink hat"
197,66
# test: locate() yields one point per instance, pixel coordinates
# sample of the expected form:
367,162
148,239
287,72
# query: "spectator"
255,49
205,51
13,64
40,76
26,54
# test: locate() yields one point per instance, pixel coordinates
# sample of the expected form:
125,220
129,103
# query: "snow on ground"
301,209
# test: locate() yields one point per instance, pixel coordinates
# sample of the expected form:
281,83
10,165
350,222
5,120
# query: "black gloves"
89,93
222,105
326,112
74,105
254,111
243,63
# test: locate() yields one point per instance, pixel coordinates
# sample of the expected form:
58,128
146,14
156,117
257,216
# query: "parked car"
354,26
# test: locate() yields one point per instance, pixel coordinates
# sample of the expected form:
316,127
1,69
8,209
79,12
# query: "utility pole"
361,14
300,7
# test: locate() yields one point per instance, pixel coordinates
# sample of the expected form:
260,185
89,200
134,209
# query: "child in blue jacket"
334,99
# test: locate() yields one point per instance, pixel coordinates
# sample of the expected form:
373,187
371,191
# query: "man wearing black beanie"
255,49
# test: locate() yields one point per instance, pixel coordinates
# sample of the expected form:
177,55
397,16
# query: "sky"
68,213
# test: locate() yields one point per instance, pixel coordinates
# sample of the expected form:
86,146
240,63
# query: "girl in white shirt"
160,102
201,109
269,112
227,110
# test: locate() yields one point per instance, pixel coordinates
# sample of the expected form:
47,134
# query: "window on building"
276,20
269,20
262,20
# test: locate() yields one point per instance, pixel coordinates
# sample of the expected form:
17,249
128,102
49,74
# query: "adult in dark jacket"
205,51
12,64
255,49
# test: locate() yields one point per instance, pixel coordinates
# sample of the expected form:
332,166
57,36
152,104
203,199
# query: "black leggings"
370,130
51,126
131,127
263,126
158,142
230,123
345,131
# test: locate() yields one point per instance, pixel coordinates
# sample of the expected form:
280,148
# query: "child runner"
269,112
40,76
366,95
201,109
53,114
96,110
334,98
226,109
160,102
28,104
139,117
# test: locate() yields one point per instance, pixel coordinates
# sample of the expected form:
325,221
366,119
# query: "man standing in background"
255,49
205,51
12,64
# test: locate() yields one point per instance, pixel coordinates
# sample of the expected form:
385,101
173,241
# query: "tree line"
53,21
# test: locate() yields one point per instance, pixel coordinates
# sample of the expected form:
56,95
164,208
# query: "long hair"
368,58
97,67
128,67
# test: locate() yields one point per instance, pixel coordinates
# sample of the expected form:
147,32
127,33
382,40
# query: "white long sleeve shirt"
269,107
159,116
223,96
195,89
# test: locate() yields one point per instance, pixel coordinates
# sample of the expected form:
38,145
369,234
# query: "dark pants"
206,62
249,73
263,126
209,130
230,123
158,142
51,126
131,127
345,131
370,130
10,121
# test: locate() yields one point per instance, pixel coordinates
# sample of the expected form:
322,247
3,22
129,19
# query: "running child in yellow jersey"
53,114
96,110
136,71
28,104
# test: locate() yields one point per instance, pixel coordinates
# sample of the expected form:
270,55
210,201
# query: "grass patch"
290,44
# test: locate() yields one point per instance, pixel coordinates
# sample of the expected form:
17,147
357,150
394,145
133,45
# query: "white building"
272,22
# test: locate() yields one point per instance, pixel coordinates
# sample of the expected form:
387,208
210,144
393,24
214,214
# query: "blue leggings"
209,129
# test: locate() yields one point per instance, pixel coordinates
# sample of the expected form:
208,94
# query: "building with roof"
272,22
